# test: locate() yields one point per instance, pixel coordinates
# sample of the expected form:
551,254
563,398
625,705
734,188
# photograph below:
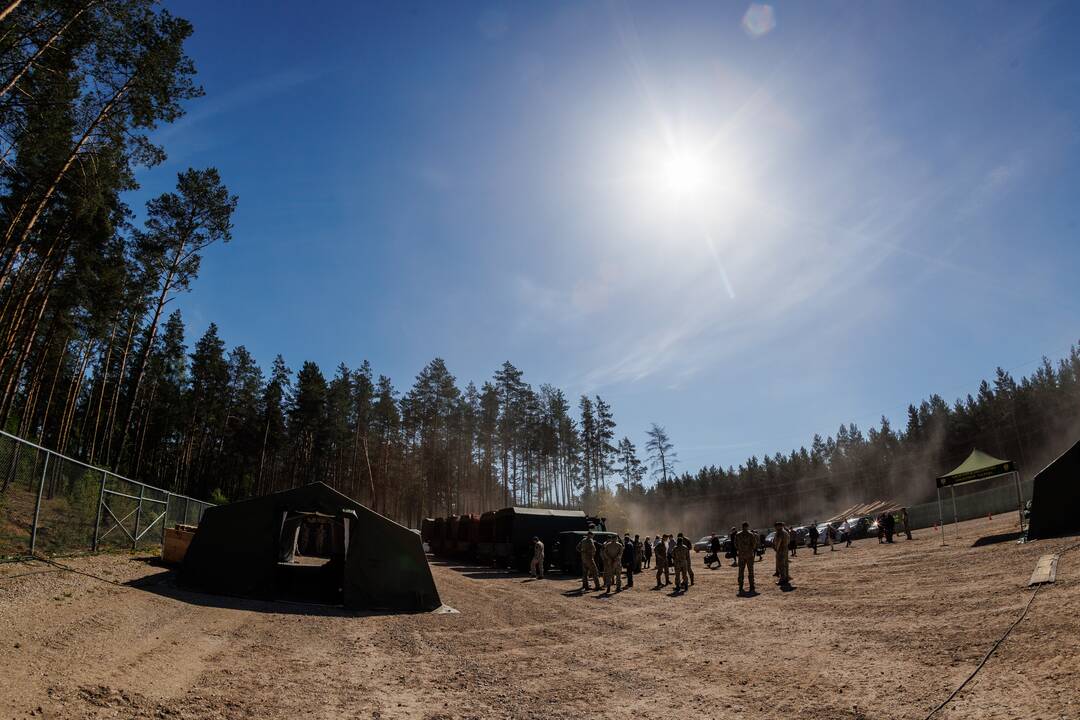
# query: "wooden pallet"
1045,570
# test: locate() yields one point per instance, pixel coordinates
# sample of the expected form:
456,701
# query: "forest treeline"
96,362
1028,421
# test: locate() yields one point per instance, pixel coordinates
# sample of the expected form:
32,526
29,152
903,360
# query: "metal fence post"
37,506
955,517
100,504
138,518
10,472
165,520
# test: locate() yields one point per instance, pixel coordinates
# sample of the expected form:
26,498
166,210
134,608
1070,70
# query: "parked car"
862,527
704,544
823,532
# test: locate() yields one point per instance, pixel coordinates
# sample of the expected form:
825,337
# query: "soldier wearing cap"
683,540
681,556
662,567
613,550
587,549
746,542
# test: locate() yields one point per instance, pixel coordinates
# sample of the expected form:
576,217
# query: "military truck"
485,538
565,555
515,528
438,536
467,535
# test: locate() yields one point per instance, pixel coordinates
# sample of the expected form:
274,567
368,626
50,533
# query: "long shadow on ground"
995,539
487,572
164,584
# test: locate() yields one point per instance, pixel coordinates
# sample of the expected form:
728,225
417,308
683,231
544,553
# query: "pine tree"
590,474
630,467
604,437
306,423
209,408
662,455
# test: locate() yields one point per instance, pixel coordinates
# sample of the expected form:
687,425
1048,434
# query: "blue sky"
745,223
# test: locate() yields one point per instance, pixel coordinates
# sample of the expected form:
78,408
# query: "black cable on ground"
986,657
995,646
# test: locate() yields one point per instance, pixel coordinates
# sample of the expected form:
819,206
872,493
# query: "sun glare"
682,180
684,173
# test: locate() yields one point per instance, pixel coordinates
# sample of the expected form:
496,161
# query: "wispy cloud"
227,100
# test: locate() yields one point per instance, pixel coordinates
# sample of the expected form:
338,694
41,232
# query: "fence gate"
54,504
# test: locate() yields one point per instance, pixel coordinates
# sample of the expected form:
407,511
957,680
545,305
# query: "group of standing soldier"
631,556
672,554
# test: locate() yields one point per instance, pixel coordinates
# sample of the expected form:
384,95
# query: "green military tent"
978,466
1055,497
310,543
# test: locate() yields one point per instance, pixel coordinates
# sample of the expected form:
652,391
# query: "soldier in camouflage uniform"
661,562
587,549
681,556
683,540
780,545
746,543
613,550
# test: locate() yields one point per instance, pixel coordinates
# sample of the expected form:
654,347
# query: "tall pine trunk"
21,72
24,235
9,9
144,356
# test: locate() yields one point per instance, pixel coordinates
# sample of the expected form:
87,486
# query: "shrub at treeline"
92,364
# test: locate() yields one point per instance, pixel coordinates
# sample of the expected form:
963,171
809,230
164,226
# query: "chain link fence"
51,504
975,500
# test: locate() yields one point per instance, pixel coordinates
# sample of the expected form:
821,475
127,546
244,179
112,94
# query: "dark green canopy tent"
978,466
310,543
1055,497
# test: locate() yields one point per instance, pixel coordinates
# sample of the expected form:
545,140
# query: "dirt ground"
871,631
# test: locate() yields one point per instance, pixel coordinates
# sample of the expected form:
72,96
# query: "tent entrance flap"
311,556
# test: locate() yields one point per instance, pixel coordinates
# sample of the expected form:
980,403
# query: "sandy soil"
873,631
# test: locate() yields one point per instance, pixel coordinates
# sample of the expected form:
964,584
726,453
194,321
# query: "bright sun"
684,178
683,173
